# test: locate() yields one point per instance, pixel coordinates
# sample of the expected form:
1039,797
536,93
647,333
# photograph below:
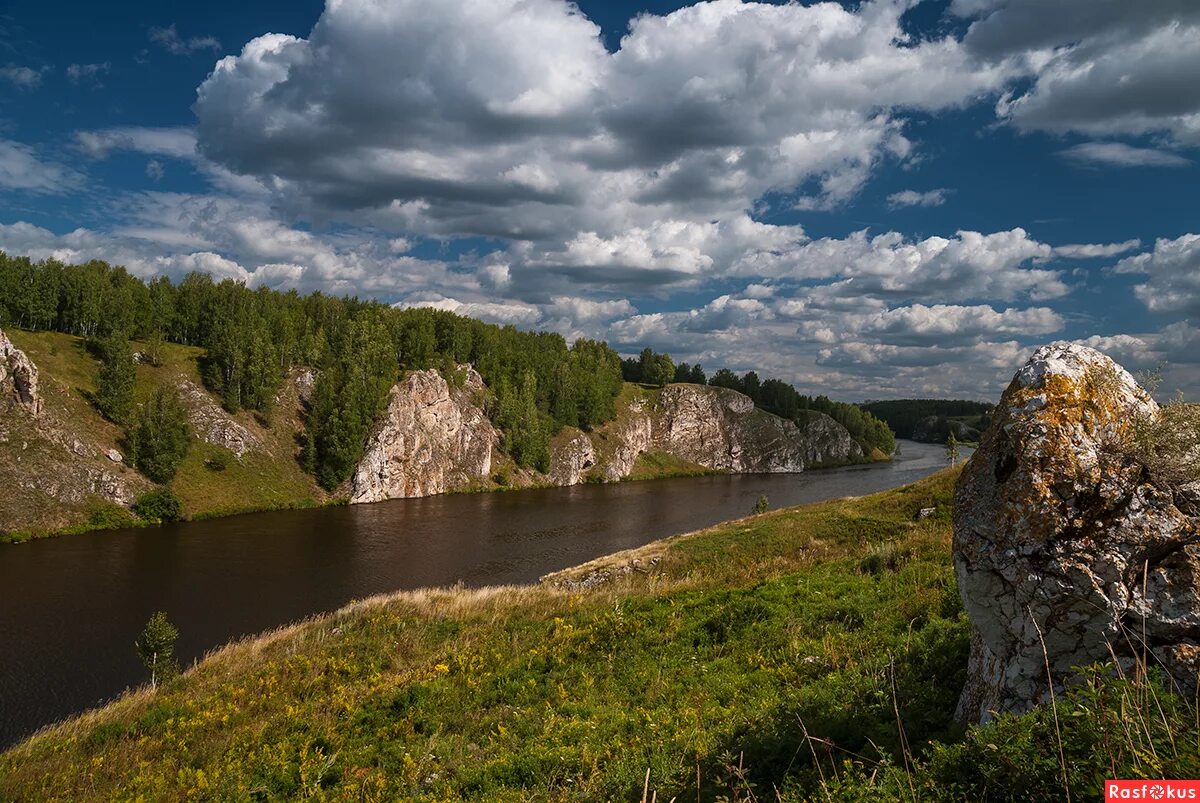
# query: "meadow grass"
808,653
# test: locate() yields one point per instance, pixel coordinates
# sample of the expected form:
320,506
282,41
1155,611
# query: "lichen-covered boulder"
432,438
1067,550
18,377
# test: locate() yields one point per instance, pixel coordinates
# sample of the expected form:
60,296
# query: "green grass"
657,465
794,652
264,479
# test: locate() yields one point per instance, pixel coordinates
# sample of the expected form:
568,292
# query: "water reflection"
73,605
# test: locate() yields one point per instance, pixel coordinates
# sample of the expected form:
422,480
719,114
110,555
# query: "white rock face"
720,429
629,439
18,377
212,424
570,461
1066,550
431,439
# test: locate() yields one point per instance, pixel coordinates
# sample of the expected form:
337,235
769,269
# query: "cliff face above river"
435,438
431,438
64,464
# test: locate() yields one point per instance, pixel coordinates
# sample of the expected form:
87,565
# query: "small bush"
761,505
109,516
158,505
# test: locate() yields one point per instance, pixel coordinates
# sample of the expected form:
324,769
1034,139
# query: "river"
73,605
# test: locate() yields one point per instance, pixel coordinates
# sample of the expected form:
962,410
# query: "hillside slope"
59,467
810,652
68,472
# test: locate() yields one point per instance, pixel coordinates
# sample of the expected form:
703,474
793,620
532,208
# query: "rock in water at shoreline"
1065,547
432,438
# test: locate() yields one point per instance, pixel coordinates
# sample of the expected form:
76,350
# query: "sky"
877,199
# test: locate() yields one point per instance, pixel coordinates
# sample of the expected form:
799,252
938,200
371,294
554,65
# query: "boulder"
18,377
1067,550
432,438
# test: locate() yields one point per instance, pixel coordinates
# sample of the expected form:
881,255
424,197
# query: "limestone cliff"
18,378
571,458
1069,550
432,438
720,429
713,428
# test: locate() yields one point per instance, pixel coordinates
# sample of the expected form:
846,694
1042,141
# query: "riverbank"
66,472
650,466
812,651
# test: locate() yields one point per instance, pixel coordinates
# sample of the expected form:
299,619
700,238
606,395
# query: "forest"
252,338
903,415
773,395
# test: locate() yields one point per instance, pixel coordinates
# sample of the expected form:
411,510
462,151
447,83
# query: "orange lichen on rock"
1057,525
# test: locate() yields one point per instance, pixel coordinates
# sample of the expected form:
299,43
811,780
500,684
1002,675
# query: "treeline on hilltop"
903,415
773,395
252,338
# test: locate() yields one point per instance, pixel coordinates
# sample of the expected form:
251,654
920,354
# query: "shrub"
114,384
159,505
109,516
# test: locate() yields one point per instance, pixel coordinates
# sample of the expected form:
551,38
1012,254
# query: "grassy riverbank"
809,652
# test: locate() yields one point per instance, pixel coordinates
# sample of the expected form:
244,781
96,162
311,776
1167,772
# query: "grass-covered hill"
810,653
69,444
252,339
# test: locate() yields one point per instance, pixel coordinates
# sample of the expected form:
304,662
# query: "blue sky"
880,199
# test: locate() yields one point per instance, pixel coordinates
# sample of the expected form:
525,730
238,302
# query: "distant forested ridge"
537,384
904,415
773,395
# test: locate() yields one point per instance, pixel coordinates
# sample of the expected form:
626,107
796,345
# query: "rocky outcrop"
18,378
435,438
720,429
212,424
571,459
432,438
1067,549
626,438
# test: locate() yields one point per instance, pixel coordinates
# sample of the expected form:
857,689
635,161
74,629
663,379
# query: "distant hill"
909,418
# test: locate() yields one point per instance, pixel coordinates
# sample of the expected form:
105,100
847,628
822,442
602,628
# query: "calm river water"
72,606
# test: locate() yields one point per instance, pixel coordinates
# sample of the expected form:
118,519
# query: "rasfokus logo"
1151,790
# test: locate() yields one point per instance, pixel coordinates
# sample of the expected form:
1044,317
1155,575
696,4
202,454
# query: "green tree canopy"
116,380
160,436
